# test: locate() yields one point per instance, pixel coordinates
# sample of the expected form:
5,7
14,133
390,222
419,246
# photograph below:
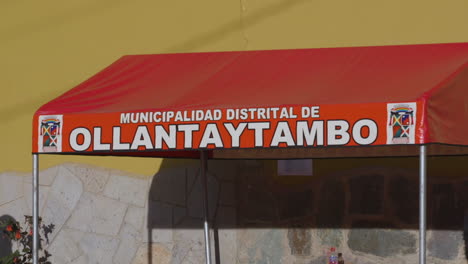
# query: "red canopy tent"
306,103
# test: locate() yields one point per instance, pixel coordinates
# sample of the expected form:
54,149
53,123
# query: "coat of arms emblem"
50,131
401,121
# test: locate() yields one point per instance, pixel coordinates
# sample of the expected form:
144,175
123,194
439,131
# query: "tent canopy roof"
413,94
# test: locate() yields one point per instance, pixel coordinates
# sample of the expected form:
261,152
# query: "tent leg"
35,208
422,204
204,165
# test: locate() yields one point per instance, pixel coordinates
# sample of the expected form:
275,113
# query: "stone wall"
370,214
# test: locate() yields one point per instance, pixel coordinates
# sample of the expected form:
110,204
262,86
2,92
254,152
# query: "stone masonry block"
93,178
97,214
135,216
129,242
65,247
444,244
382,243
127,189
98,249
160,253
63,196
16,209
47,176
11,187
43,193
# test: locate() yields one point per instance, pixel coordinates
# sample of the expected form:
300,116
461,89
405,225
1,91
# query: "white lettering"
116,144
188,131
291,113
144,117
337,132
282,135
211,136
230,114
134,117
284,113
217,114
125,118
162,135
315,111
97,145
178,117
315,133
305,112
259,127
357,131
74,139
141,138
235,133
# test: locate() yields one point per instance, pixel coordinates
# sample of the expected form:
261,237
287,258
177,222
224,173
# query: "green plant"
22,236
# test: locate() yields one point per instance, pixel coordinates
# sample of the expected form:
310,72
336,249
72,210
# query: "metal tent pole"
204,165
35,208
422,204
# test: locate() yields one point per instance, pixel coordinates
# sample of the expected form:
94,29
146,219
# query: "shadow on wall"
5,243
248,194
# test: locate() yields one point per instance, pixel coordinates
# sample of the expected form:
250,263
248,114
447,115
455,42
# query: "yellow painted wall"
47,47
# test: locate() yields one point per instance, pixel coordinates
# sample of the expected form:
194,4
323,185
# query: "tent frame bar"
35,208
206,227
422,203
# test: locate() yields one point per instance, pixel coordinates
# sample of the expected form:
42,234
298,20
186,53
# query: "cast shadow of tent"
246,194
176,203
